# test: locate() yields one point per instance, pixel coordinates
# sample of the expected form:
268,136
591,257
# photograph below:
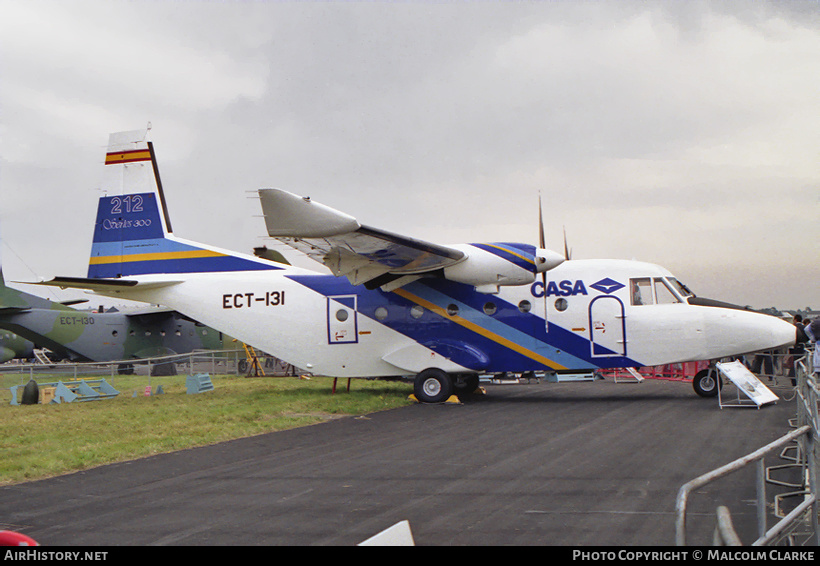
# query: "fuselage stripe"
153,257
511,252
478,329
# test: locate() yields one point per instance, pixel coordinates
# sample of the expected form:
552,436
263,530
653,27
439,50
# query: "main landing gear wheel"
706,382
433,386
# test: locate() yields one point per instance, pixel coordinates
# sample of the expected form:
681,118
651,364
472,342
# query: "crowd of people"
808,331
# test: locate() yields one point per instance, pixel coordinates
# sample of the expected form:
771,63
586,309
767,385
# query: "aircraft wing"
337,240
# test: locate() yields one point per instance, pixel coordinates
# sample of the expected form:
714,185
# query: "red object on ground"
10,538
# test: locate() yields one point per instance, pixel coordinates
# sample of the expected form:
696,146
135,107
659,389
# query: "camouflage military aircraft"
88,336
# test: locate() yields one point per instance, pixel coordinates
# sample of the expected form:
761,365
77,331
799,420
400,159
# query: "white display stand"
397,535
748,383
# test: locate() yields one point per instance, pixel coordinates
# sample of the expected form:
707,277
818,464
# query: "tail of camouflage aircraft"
133,234
13,301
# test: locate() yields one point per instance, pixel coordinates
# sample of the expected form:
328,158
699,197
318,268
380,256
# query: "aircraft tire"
706,383
31,393
433,386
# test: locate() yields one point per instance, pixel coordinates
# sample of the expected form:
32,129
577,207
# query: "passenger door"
342,322
606,327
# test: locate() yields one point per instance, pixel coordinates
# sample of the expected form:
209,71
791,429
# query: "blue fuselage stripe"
527,330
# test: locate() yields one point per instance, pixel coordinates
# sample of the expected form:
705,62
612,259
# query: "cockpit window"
641,291
682,289
663,293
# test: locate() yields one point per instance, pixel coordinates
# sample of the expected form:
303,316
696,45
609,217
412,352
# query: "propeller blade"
542,241
567,251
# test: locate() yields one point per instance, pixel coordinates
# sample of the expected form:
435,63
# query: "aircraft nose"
747,331
776,333
781,333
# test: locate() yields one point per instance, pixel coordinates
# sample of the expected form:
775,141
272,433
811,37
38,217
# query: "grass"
39,441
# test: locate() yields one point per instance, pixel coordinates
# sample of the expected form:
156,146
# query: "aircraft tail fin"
133,235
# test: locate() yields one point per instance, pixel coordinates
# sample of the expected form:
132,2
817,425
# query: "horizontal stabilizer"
102,284
8,311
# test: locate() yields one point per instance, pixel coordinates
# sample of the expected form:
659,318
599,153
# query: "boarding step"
198,383
42,357
555,377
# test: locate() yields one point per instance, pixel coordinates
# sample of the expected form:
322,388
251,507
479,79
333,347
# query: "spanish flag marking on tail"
127,156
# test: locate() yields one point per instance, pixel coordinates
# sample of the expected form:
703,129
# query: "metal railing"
806,434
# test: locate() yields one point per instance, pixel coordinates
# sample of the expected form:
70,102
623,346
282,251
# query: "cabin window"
114,333
663,293
525,306
561,304
641,291
416,311
341,315
452,309
490,308
381,313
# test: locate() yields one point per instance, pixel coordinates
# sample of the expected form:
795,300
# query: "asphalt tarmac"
578,464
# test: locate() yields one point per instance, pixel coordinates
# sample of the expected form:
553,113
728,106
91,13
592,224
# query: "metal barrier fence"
776,368
805,513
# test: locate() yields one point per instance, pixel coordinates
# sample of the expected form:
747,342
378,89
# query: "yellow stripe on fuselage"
479,330
195,254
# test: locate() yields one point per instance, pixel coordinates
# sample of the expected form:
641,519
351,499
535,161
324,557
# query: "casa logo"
563,288
607,286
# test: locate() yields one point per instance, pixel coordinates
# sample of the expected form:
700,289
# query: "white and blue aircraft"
396,306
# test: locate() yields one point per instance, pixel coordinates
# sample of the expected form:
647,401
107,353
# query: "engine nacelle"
487,266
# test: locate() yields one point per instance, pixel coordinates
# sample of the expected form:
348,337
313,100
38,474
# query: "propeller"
548,259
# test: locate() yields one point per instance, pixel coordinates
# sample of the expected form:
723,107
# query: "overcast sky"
682,133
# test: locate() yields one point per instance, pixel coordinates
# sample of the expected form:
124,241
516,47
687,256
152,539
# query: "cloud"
682,133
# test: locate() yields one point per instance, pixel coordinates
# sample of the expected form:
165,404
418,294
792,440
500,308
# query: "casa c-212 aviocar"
397,306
